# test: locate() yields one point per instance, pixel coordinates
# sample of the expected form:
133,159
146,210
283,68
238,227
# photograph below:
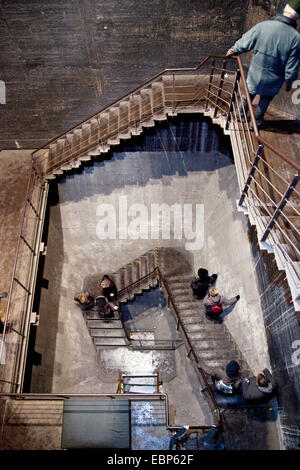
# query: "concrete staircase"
211,341
106,333
110,332
168,94
163,97
131,275
277,243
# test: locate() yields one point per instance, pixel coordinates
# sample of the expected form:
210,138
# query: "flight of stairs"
133,272
166,95
211,341
106,333
110,332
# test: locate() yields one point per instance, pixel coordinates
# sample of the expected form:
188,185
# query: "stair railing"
16,325
67,396
170,301
226,96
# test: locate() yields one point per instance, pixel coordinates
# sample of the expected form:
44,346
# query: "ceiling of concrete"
61,60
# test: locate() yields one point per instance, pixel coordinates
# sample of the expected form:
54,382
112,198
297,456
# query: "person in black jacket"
202,283
259,389
104,308
109,288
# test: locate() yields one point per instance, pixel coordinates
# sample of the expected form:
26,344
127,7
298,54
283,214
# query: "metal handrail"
133,396
33,181
191,349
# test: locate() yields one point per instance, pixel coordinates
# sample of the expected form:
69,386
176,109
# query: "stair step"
112,341
206,334
102,324
215,363
35,412
111,333
213,344
91,315
215,355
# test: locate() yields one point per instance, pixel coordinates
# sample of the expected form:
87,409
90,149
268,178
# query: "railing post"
280,206
220,86
173,96
251,174
210,82
232,101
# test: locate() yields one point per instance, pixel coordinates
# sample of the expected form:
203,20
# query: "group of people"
212,300
255,390
106,304
231,381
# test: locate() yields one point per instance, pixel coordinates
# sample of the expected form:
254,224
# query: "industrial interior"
122,155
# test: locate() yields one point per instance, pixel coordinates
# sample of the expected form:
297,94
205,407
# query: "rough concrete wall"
63,60
258,11
283,335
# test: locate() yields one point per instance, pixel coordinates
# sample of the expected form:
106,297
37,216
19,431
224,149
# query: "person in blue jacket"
276,57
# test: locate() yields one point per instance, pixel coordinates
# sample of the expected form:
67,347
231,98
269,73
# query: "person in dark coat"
85,300
259,389
228,381
104,308
276,57
202,283
109,288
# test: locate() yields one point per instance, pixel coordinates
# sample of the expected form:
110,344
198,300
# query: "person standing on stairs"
202,283
213,303
110,290
104,308
276,58
228,381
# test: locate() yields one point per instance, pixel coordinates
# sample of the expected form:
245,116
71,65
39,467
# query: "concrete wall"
62,60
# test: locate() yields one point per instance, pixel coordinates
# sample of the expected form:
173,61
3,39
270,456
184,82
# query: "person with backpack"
202,283
214,302
259,389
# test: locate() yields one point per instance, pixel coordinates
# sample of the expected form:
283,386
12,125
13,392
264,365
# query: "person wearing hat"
276,58
202,283
228,381
109,288
213,303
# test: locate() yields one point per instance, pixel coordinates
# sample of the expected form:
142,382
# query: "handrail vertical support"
251,174
221,83
210,82
280,206
232,101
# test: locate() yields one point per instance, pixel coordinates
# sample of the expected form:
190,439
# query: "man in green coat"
276,57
